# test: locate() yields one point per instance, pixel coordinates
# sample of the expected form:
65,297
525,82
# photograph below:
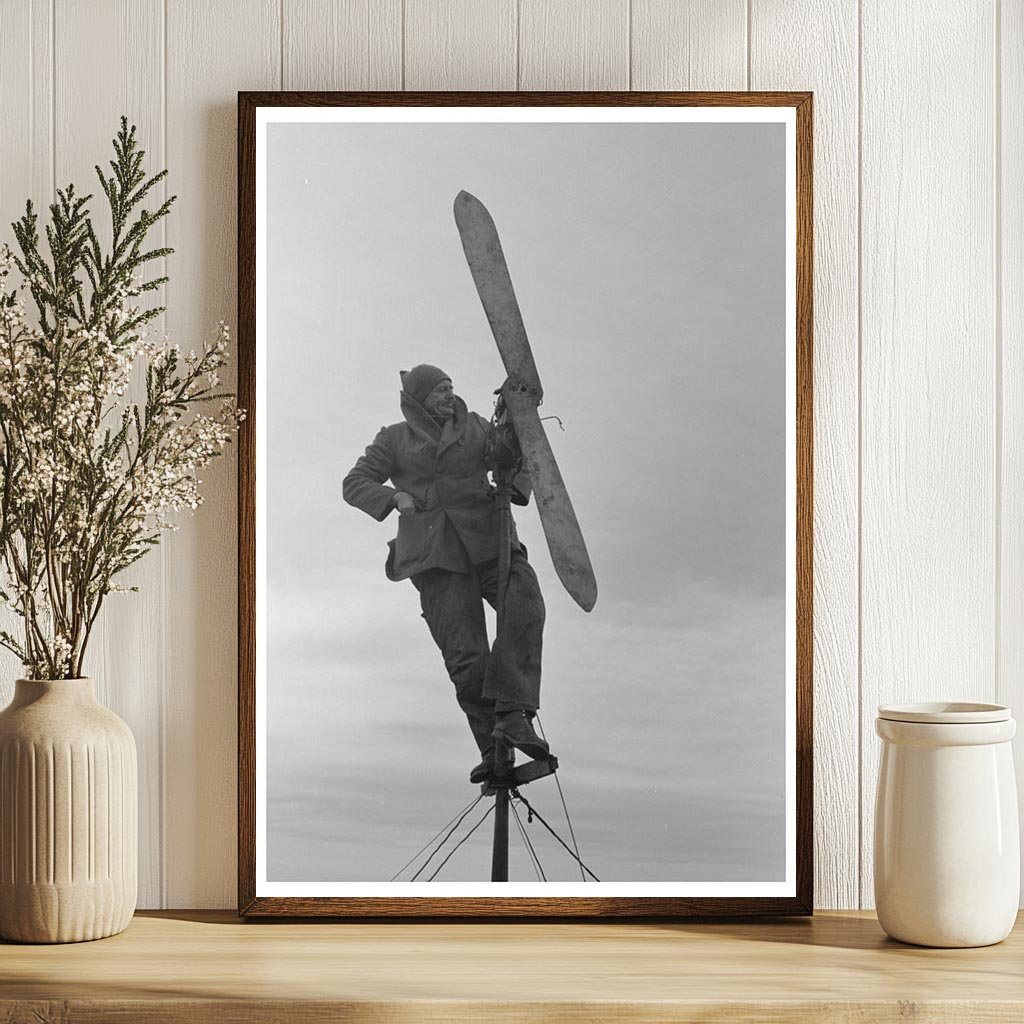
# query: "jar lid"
945,712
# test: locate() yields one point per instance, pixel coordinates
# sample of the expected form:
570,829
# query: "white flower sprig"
88,478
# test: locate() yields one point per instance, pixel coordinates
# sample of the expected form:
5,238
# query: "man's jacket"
455,525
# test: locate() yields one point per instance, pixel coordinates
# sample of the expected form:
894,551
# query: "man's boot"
485,769
515,727
481,722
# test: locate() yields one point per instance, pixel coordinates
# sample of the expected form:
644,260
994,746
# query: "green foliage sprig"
88,477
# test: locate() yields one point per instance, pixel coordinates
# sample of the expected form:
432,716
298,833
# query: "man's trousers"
502,677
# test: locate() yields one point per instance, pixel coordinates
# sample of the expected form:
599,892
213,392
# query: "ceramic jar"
947,848
68,812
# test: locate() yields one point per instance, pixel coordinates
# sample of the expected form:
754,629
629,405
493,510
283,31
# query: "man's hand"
404,503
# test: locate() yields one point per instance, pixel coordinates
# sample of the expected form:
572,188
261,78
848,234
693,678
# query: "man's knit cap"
421,380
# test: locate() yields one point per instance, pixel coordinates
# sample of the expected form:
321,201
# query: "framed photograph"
525,504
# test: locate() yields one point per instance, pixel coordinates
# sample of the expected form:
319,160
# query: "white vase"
68,813
947,848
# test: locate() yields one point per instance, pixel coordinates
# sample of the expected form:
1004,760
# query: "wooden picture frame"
260,896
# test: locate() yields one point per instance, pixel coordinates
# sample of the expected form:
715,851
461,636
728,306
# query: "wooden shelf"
203,967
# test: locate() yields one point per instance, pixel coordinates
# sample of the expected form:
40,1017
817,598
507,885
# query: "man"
447,545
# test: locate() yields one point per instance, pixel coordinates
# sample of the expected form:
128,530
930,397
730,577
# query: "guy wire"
461,818
572,832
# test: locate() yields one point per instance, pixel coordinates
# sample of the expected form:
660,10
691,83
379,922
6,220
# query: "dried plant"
88,477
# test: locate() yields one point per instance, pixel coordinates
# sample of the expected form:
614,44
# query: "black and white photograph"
524,614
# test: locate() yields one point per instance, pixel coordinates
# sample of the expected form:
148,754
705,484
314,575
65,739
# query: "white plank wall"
814,46
459,44
919,315
684,45
213,50
574,44
26,106
26,161
1009,180
342,44
928,359
129,79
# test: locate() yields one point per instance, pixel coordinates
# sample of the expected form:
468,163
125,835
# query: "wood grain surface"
1009,688
928,367
26,128
574,44
26,121
132,675
467,45
342,44
208,966
792,48
229,45
689,44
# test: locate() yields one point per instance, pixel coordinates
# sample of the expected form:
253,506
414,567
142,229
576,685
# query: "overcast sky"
649,265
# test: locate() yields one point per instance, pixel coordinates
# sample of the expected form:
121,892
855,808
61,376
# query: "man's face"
441,401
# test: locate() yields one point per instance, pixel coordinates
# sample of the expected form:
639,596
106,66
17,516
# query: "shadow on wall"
201,560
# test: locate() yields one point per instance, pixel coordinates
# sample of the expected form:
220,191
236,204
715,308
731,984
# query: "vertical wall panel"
1011,316
573,44
928,363
26,168
213,51
342,44
460,44
121,656
814,46
26,107
690,44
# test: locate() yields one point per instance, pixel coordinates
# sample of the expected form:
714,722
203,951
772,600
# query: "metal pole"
504,756
499,853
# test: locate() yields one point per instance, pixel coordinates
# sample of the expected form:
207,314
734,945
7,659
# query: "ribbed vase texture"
68,815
